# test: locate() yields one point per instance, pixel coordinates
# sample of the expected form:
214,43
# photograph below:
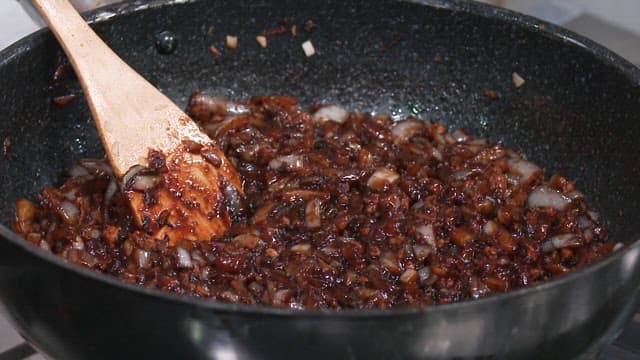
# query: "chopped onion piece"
436,154
232,42
78,244
404,130
142,257
543,196
564,240
490,228
70,195
232,198
584,222
312,216
524,169
287,162
421,252
409,276
112,188
331,113
427,234
262,40
301,248
248,241
184,259
130,174
99,166
78,171
463,174
459,135
381,178
44,245
281,297
518,81
424,274
145,182
575,194
308,48
588,235
69,212
390,262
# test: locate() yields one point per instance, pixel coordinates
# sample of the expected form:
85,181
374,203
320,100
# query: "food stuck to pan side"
341,210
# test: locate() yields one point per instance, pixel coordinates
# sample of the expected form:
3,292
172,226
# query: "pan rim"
606,56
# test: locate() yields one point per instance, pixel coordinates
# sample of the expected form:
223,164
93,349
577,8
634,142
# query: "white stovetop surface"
614,23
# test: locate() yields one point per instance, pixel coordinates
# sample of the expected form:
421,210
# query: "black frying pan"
577,114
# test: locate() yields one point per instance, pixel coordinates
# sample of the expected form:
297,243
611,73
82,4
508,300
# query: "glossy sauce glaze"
340,210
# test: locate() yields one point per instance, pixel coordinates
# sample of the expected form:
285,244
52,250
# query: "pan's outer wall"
576,113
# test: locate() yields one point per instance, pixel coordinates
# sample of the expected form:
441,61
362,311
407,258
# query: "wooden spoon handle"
139,116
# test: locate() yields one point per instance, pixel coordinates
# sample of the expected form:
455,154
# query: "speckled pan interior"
577,112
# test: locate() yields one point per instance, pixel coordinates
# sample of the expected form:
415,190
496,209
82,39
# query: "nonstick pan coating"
577,114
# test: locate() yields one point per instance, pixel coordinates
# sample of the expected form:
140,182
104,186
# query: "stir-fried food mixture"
340,210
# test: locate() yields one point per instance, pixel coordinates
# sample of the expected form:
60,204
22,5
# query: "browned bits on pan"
59,73
214,50
309,26
278,30
63,100
397,39
491,94
340,210
6,146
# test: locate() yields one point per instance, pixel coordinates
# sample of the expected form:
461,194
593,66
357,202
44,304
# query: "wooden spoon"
172,173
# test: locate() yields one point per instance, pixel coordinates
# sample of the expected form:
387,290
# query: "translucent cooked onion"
561,241
312,216
287,162
142,257
331,113
490,228
145,182
404,130
564,240
381,178
200,103
526,170
389,260
69,212
421,252
544,196
229,123
247,241
78,171
460,135
96,166
233,199
112,188
409,276
426,231
184,259
130,175
301,248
